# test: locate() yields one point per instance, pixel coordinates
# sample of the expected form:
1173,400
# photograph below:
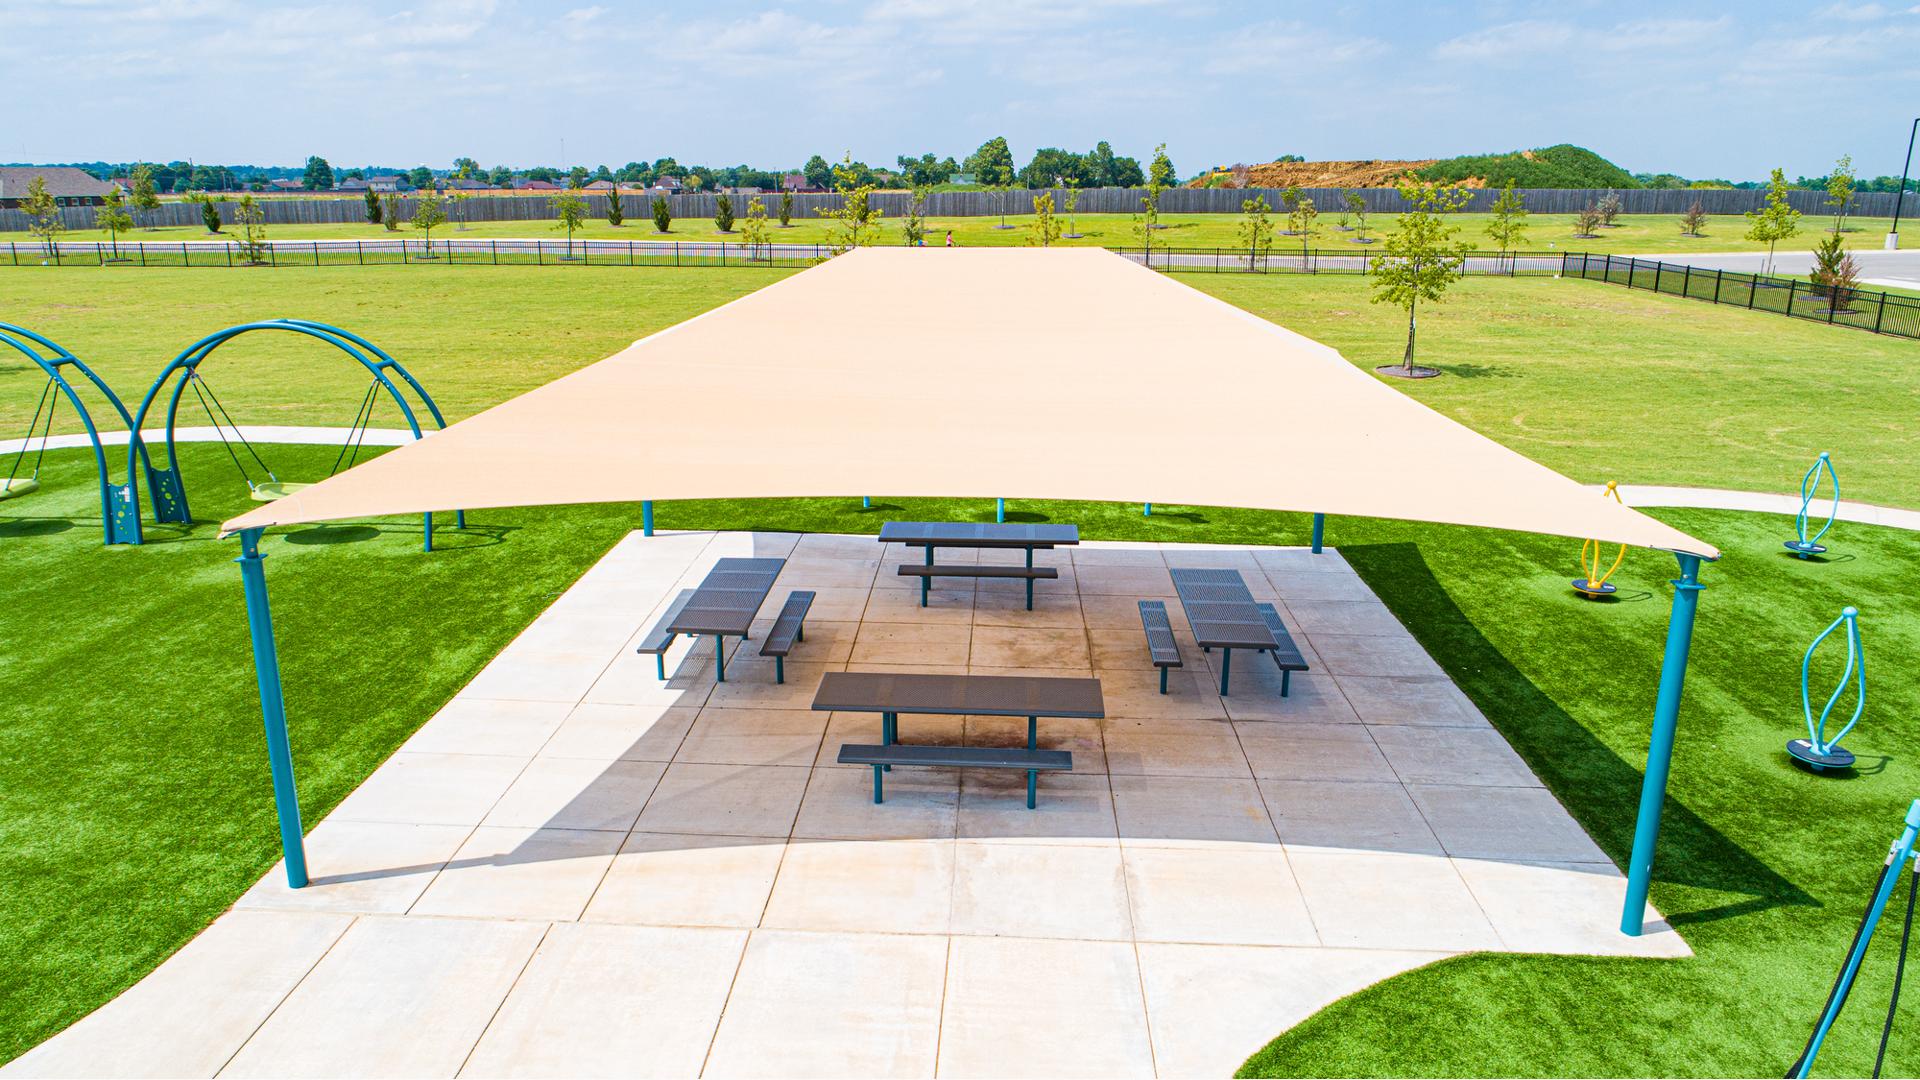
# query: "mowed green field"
136,806
1632,233
1594,380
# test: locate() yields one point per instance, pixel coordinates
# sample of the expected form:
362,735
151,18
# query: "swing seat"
274,490
13,489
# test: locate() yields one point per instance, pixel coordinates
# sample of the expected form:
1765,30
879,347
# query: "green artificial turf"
137,804
1631,233
134,804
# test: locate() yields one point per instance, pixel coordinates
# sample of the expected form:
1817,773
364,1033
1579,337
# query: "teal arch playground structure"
166,486
117,521
1819,752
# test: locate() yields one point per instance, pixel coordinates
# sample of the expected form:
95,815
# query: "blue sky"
1702,90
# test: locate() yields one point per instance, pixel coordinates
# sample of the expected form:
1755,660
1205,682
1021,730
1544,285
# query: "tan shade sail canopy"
1065,373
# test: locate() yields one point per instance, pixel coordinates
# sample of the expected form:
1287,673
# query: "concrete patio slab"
574,868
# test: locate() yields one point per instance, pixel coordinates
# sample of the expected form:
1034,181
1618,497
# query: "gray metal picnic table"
960,695
1223,614
726,602
978,534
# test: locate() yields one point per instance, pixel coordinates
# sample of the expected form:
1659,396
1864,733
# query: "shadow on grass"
1585,774
1478,371
21,528
333,534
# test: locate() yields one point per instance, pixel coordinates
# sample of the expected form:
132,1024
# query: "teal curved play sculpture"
1808,546
166,485
55,360
1818,752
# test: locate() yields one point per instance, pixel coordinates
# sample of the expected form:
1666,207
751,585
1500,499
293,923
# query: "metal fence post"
1657,267
316,253
1753,290
143,254
1718,277
1686,281
1881,314
494,246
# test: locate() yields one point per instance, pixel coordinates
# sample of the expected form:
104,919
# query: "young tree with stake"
786,209
662,213
1840,191
615,215
1420,260
113,217
571,211
1776,220
252,219
373,207
856,221
1256,231
43,213
1147,221
753,229
145,199
1045,228
428,214
1509,224
723,212
915,223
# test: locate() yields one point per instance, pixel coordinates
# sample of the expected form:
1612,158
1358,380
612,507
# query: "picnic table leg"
1029,580
1226,668
720,658
779,669
1285,677
1033,777
1033,732
889,733
926,583
876,782
660,665
1163,680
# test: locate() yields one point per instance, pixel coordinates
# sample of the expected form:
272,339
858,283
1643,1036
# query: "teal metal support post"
1319,531
1666,718
1898,853
1146,509
646,518
999,509
273,710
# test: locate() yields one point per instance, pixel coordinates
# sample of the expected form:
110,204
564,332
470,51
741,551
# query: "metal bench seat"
788,627
1286,654
660,638
1032,762
1161,645
926,572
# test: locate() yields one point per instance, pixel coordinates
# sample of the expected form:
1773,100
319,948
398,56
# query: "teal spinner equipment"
1808,546
1818,752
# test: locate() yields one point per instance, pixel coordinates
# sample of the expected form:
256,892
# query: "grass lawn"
1635,233
1594,380
473,341
138,808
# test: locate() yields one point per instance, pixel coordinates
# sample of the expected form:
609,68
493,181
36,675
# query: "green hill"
1562,166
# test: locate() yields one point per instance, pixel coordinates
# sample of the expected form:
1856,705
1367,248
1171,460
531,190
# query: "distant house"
797,182
536,185
354,184
670,184
287,185
68,186
385,184
466,185
602,186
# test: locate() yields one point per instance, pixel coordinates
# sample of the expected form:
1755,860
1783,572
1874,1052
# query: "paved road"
1888,269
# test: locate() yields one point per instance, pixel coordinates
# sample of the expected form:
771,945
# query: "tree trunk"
1408,359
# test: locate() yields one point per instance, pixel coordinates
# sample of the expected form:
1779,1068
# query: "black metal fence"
1876,311
1880,312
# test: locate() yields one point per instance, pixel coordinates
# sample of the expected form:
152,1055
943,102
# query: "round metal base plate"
1591,591
1835,757
1805,548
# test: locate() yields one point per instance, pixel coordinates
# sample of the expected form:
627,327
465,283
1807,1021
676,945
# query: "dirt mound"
1322,174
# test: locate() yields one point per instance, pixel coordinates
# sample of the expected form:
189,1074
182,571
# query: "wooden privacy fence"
637,206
